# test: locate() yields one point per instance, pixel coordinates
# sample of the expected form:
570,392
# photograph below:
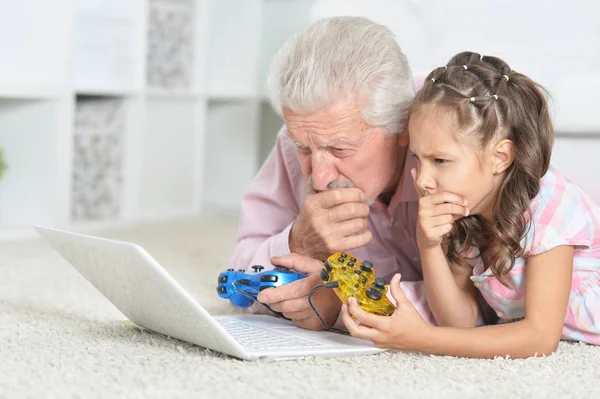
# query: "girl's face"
451,161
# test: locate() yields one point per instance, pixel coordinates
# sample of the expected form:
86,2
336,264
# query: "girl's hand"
405,329
437,213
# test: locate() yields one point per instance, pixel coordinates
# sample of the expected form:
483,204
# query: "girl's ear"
502,156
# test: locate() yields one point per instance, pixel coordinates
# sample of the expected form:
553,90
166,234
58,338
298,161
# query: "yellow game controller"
357,279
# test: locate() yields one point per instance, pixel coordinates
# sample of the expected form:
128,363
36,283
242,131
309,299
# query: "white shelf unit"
117,111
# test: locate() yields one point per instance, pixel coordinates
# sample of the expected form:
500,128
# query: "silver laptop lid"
141,289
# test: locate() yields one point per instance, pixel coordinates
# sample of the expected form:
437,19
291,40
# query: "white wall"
556,43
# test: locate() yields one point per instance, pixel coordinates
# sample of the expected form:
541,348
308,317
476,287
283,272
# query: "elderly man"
338,178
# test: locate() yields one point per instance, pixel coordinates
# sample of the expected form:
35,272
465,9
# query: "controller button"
379,283
351,264
241,271
373,294
230,270
264,287
257,268
222,279
352,259
357,271
268,279
341,260
243,281
343,267
281,269
327,266
344,255
324,275
364,280
356,285
221,290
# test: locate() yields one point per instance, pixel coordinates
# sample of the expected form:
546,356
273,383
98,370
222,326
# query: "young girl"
496,220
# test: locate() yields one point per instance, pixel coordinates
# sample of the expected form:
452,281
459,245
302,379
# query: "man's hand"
331,221
292,299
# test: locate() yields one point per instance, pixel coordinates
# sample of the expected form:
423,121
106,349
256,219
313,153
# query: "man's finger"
291,305
349,227
348,211
300,316
357,240
300,263
336,196
295,290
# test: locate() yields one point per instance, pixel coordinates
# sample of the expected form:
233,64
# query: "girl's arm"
449,290
548,284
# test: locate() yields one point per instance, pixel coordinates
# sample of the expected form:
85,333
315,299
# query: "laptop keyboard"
259,338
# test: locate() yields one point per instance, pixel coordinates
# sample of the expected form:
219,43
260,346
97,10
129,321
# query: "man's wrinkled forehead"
327,127
336,141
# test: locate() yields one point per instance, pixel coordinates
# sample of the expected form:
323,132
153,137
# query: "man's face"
336,148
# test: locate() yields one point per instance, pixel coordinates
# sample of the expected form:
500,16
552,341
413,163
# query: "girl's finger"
444,197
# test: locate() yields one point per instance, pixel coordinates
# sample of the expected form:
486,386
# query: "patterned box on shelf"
170,44
97,159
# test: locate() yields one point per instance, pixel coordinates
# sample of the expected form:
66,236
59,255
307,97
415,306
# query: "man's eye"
440,161
340,151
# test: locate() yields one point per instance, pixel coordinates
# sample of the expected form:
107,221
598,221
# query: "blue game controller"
242,288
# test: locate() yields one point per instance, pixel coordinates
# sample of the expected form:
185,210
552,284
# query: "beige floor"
60,338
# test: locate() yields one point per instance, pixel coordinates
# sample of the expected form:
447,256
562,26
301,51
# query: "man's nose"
323,172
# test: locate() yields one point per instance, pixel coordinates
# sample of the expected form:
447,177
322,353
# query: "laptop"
152,299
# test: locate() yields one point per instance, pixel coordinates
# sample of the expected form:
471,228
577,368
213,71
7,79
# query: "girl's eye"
440,161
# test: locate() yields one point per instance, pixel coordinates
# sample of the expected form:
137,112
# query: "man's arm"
269,208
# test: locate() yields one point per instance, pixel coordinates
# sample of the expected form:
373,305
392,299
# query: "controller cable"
331,284
249,296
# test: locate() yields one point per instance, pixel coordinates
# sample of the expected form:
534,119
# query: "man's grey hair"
344,59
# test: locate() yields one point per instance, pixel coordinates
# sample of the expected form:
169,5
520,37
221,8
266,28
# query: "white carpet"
60,338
